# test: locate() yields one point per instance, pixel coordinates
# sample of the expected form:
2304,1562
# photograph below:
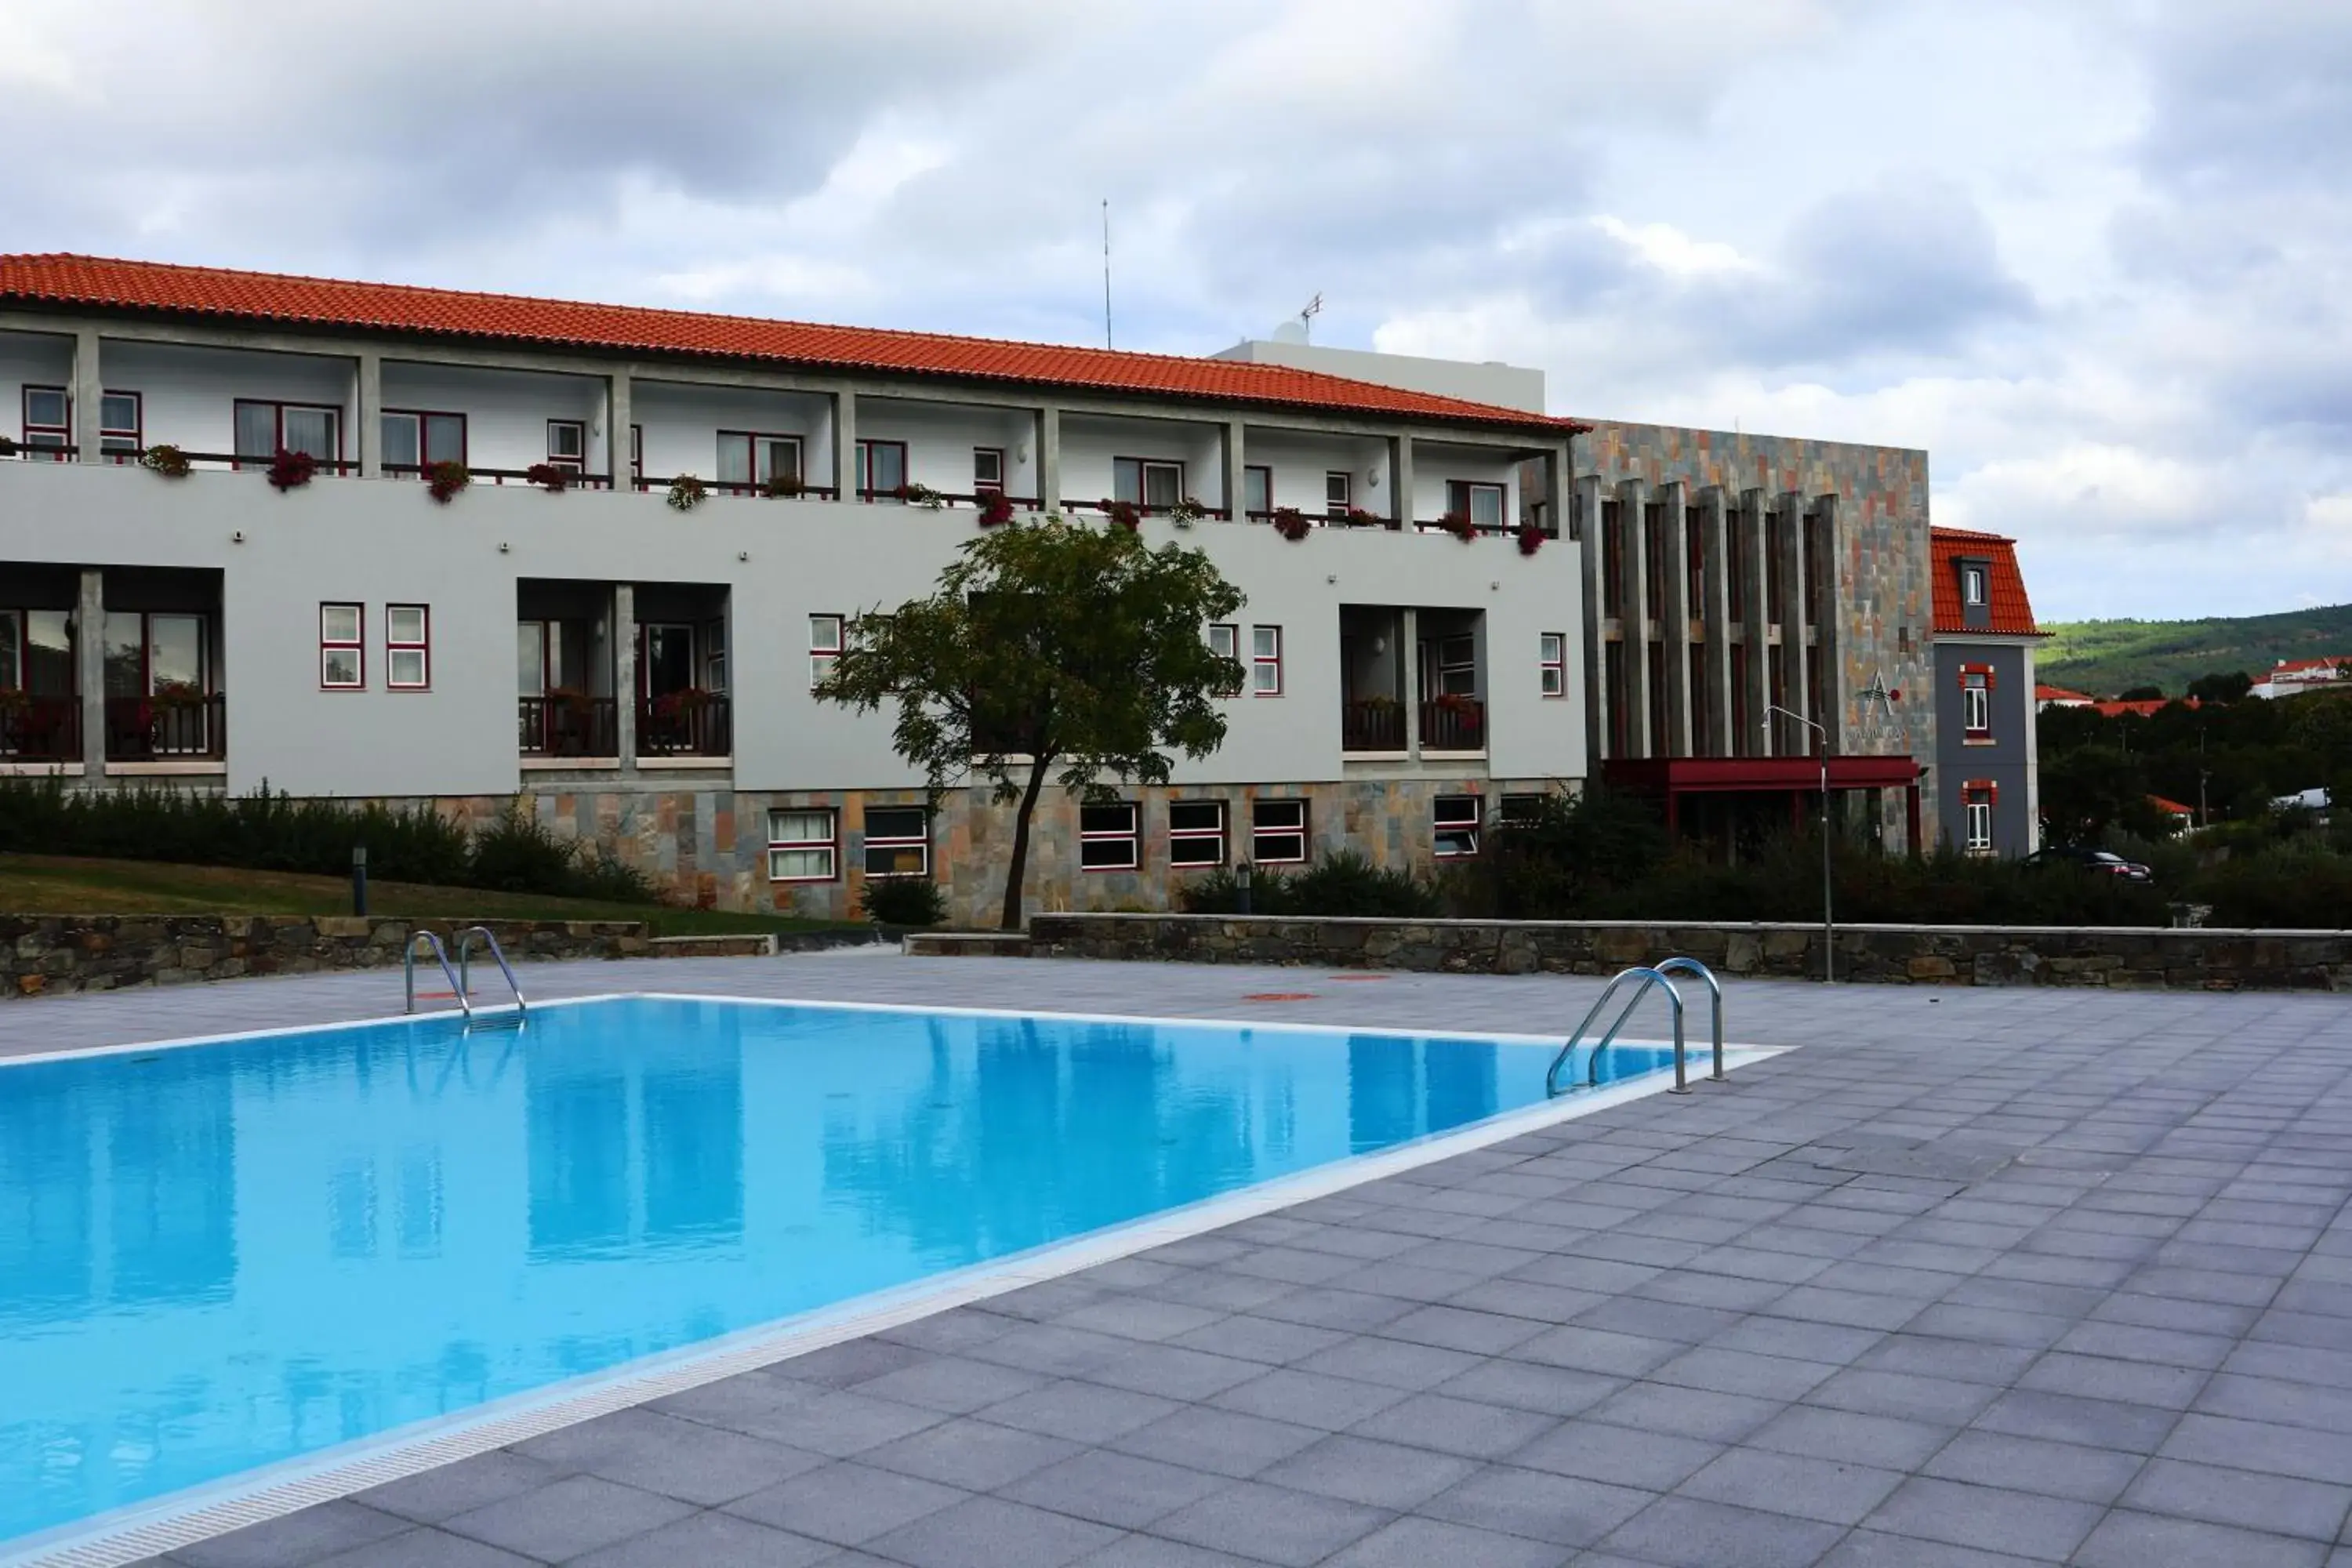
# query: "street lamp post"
1828,921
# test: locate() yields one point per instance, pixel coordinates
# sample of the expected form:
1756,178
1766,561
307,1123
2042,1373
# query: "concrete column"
1235,457
367,408
1408,667
1714,611
89,668
1673,513
88,390
1049,458
625,672
1401,480
1634,577
1791,612
619,414
844,445
1586,503
1746,526
1832,699
1555,471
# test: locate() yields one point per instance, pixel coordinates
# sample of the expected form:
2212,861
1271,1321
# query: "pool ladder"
1645,980
461,977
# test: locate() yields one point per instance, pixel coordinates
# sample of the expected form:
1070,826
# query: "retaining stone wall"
40,955
2146,958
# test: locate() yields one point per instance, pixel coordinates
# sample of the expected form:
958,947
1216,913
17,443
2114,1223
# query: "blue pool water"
216,1257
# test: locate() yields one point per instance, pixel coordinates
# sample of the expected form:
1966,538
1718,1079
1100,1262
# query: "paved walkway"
1974,1278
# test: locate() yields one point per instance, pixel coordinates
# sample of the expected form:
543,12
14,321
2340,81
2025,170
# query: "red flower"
1291,523
1531,539
995,510
292,470
1124,513
1458,524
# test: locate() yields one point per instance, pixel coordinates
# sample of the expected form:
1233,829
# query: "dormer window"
1972,586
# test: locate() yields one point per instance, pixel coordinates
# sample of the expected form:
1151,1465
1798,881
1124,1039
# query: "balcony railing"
574,479
166,729
684,724
39,729
1374,724
1453,724
587,727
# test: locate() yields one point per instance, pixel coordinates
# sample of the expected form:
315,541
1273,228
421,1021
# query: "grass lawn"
68,885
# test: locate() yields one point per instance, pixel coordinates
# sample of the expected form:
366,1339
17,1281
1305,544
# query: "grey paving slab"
1975,1279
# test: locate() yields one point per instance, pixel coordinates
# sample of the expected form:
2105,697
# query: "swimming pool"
218,1257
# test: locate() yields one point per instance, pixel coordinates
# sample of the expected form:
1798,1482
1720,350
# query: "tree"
2142,694
2221,687
2085,790
1052,650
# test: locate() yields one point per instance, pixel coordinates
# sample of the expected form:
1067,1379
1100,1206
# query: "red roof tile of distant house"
2011,614
2064,696
2142,706
257,298
2171,807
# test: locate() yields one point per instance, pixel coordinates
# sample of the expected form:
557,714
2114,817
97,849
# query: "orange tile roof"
2061,694
2142,706
2171,807
2011,612
98,283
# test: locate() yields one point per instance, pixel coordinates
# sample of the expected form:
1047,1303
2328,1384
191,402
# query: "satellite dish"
1291,332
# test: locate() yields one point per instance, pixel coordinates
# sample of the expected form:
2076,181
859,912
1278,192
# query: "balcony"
39,729
685,725
1374,725
1452,724
588,728
166,729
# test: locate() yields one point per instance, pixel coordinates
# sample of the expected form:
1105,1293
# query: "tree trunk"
1019,863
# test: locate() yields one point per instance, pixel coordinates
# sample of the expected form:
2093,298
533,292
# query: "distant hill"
2104,658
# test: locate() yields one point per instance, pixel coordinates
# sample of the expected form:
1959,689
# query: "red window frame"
1216,836
819,649
422,645
424,457
1260,830
830,843
752,451
277,407
637,453
1976,679
32,430
1131,835
1261,661
980,484
865,490
1551,649
576,461
1985,792
1461,499
356,645
1143,466
124,443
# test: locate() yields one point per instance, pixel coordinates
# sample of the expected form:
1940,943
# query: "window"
1339,493
567,445
636,451
1225,642
264,429
1257,490
407,648
988,471
342,654
1196,833
825,646
1266,660
714,655
1454,669
800,847
1482,504
1457,825
49,419
119,424
1278,832
1107,837
747,458
1972,586
1976,704
1976,815
1521,808
1554,646
1147,482
412,439
897,841
881,469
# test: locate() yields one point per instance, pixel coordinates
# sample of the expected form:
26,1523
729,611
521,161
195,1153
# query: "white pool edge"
142,1531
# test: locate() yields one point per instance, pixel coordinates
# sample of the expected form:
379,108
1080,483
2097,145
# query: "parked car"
2089,859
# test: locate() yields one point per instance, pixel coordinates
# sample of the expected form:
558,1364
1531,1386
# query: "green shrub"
910,901
1345,884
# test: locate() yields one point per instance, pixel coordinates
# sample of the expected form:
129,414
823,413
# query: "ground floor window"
1196,833
1553,654
342,660
1278,832
1456,819
1519,808
897,841
1107,837
802,847
1976,817
407,648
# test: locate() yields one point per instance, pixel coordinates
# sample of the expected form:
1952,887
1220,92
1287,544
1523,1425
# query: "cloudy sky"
2095,257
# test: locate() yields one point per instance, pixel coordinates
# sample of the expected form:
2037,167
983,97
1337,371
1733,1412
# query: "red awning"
1690,776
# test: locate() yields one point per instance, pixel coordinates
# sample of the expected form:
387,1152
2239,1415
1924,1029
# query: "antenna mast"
1313,309
1105,272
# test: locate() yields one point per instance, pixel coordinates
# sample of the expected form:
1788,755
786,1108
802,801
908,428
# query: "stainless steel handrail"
1692,967
441,955
464,954
1647,979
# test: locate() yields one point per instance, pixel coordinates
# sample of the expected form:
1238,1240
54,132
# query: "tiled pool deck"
1973,1278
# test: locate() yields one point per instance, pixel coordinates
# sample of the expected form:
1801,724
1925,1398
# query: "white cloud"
1672,252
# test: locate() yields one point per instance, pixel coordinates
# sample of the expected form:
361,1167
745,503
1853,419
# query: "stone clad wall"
1947,955
45,953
